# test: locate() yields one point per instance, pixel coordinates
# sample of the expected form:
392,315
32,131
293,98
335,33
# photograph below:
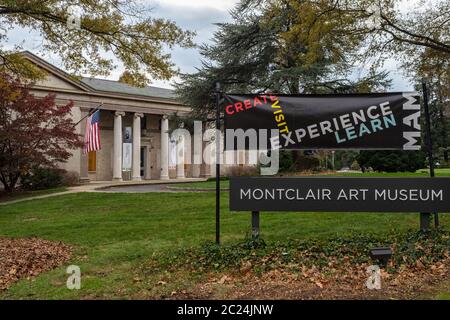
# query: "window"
92,161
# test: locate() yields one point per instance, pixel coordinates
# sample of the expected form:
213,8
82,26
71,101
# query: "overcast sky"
196,15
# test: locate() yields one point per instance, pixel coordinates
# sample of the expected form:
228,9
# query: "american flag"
92,134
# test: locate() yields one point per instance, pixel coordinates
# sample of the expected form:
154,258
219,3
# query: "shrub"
40,178
304,163
355,166
70,178
392,161
246,170
286,161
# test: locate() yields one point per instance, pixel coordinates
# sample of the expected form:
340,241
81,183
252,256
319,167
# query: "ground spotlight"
382,255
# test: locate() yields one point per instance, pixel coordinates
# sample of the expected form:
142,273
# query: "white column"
136,170
164,148
117,152
197,149
180,156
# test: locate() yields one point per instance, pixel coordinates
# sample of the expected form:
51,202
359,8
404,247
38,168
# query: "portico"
144,141
150,149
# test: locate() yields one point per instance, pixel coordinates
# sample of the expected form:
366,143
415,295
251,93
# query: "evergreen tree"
264,50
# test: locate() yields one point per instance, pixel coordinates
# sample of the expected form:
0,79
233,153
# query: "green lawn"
225,184
5,197
114,234
443,296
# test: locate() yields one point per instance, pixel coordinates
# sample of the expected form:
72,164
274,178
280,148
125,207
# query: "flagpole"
89,113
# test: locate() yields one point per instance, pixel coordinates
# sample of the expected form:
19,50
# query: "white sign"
172,154
126,156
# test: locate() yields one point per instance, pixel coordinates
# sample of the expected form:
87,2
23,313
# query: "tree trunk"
9,184
444,133
7,187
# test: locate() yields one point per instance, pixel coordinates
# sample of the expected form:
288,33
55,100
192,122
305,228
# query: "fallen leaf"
224,279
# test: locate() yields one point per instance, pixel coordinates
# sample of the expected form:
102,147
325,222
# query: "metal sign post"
425,216
255,225
217,137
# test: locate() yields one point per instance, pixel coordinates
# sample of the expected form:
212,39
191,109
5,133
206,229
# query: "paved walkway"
139,188
104,186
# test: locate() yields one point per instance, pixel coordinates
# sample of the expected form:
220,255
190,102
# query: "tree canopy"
265,48
379,27
124,29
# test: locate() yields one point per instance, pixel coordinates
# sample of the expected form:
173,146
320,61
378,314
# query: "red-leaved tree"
33,131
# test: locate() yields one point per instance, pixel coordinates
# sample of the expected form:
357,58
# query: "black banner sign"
340,194
355,121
